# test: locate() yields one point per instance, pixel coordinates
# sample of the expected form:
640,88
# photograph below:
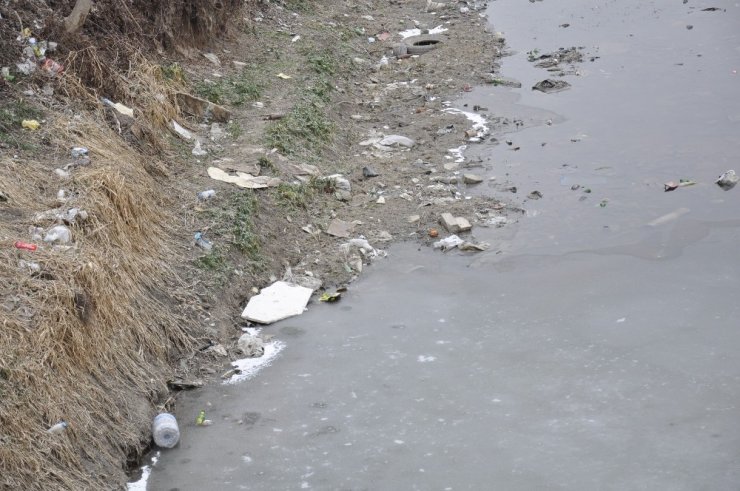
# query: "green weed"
213,261
234,128
244,237
306,125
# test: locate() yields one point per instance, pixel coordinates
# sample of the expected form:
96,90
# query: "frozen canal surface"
586,350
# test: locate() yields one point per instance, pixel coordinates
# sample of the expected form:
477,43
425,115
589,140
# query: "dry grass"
88,339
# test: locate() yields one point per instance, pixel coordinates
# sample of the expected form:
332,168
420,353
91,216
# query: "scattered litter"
295,38
122,109
380,200
25,246
58,428
202,242
340,228
549,86
474,247
284,76
671,185
728,180
417,32
448,243
243,179
200,420
397,140
204,195
59,234
276,302
52,67
603,203
330,297
433,233
30,124
30,266
165,431
534,195
453,224
251,346
363,246
78,152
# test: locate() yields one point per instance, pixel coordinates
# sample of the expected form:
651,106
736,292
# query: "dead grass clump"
87,337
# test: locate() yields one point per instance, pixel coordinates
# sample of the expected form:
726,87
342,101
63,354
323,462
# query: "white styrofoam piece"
276,302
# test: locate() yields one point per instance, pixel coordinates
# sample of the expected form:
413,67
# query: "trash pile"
35,57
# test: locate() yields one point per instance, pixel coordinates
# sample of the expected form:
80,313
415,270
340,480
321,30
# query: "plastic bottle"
202,242
165,431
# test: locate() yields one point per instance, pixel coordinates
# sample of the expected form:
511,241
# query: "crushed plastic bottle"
59,234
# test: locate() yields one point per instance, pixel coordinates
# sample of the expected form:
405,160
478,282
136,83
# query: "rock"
453,224
218,349
251,346
369,172
385,236
307,281
451,166
413,219
549,86
202,108
472,179
381,200
276,302
534,195
340,228
217,132
470,246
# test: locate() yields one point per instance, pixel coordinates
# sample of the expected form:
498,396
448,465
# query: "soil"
311,83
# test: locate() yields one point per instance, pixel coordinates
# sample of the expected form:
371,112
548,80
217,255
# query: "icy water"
591,348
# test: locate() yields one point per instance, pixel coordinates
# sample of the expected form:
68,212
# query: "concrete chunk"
454,224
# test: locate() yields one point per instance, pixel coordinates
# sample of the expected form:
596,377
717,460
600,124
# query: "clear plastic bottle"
165,431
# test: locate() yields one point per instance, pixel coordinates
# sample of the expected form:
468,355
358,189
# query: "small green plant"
266,166
305,125
294,196
174,72
323,63
211,91
234,128
322,89
213,261
236,89
244,237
